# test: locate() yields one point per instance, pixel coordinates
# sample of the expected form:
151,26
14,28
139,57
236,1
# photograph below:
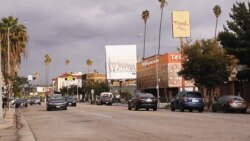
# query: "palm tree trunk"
216,28
144,40
160,33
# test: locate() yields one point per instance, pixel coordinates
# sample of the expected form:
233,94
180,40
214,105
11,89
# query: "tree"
97,86
18,45
47,61
18,85
67,61
207,64
162,5
217,12
89,64
236,36
145,16
37,75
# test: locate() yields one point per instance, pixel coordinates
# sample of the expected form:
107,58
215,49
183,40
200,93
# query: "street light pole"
1,95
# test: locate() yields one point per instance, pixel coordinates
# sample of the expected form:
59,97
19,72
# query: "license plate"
57,106
195,100
149,100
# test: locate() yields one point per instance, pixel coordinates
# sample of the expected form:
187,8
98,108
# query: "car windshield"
55,97
20,100
194,94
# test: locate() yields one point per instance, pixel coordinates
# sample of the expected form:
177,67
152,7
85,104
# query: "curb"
25,133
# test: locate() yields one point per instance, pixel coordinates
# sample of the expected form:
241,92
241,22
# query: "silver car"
229,103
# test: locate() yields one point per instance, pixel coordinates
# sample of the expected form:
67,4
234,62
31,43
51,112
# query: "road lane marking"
102,115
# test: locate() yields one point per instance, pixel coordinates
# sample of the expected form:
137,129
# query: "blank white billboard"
121,61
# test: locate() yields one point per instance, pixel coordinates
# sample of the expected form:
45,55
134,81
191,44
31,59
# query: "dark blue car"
188,100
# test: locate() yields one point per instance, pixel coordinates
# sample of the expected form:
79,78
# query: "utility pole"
1,94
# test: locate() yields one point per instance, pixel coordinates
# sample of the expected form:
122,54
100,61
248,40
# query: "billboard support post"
181,29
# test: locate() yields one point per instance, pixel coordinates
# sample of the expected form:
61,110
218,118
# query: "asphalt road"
116,123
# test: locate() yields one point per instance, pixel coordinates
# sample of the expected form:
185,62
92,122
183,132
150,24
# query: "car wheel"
213,109
39,103
65,108
181,108
48,109
155,109
201,110
225,109
244,111
129,108
136,107
147,109
172,107
190,110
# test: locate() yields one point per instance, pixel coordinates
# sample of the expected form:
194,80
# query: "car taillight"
185,98
231,101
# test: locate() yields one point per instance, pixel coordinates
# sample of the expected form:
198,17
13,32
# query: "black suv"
143,100
188,100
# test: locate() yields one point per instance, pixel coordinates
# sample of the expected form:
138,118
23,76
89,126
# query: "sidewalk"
9,118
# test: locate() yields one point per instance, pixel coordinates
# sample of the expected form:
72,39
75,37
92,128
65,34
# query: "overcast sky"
79,29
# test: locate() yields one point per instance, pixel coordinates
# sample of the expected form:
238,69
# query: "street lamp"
1,95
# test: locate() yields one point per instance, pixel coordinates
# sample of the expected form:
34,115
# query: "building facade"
163,68
67,80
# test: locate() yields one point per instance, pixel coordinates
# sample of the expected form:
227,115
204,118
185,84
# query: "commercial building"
66,80
165,68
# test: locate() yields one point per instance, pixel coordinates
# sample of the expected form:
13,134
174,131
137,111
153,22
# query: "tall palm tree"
89,64
18,39
217,12
145,16
47,61
162,5
67,61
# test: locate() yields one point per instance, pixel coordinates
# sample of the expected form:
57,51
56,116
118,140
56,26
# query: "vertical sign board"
181,24
121,62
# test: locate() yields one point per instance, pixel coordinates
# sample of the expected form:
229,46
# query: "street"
110,123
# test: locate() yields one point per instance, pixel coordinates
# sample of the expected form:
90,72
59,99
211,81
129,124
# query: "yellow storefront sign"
181,24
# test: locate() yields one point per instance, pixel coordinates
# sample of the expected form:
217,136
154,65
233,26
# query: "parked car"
56,102
71,100
188,100
105,98
35,100
143,100
20,102
229,103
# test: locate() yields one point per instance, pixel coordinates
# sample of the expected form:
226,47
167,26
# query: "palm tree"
217,12
145,16
89,64
67,61
47,61
162,5
18,39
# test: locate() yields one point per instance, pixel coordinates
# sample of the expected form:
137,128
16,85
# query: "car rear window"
194,94
146,95
236,98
